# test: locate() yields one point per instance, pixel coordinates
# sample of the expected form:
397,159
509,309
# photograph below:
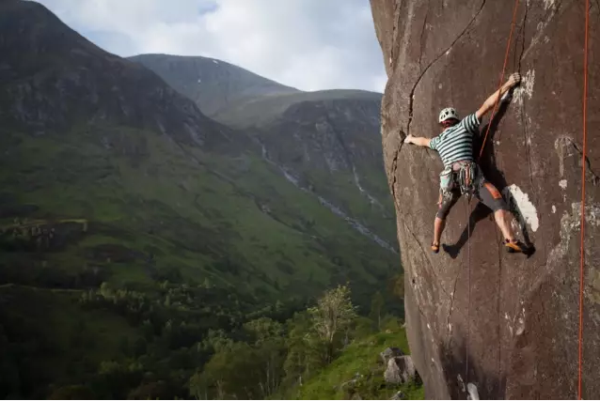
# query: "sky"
306,44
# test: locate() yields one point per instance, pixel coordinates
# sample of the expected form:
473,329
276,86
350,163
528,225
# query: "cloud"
308,44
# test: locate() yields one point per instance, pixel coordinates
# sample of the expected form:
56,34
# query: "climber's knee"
445,203
500,213
491,197
442,214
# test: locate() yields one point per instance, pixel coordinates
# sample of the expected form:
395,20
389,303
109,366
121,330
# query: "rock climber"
461,175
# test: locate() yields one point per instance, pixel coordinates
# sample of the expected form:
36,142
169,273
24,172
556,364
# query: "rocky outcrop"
400,370
390,353
505,323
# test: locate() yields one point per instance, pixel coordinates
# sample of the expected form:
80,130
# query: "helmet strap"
449,122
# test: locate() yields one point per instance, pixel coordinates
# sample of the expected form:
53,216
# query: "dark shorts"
483,190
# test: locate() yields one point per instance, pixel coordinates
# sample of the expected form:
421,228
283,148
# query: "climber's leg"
492,198
501,217
445,203
438,227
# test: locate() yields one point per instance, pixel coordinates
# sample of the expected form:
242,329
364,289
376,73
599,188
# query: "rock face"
505,323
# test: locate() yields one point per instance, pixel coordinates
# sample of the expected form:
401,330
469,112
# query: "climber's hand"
514,79
417,140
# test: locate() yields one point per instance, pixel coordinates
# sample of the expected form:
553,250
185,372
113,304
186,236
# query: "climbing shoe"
515,246
435,248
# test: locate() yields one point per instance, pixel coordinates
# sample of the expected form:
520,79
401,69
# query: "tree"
396,285
333,315
76,392
377,309
305,350
269,345
264,330
150,391
232,373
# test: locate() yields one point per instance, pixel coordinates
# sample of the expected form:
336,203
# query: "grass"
361,359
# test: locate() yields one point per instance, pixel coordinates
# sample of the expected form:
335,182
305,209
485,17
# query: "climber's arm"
416,140
491,101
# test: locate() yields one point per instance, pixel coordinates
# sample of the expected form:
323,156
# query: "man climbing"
461,174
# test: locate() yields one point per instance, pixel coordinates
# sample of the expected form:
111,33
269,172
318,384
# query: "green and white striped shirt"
456,143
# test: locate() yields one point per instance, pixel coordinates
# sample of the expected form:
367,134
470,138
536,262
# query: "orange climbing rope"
583,168
583,173
506,56
468,209
508,43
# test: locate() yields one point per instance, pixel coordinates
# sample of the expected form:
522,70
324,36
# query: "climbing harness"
461,175
583,171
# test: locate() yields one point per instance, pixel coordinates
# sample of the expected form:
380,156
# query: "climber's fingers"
515,78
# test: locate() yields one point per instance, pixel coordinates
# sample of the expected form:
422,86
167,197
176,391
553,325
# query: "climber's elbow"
422,141
484,109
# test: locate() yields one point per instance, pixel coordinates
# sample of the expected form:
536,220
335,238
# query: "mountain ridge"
212,84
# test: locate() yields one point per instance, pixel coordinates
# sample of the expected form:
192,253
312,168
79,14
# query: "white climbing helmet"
448,113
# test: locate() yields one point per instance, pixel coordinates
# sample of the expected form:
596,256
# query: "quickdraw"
466,179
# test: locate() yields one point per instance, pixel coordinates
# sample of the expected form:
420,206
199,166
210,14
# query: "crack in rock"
595,178
412,92
433,270
541,27
394,168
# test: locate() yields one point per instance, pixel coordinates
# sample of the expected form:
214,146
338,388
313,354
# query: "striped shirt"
456,142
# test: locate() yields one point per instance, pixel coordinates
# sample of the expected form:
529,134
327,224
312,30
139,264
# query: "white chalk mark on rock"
473,393
521,200
526,87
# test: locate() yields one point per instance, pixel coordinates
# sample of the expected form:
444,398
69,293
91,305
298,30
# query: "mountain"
213,84
135,231
507,324
329,141
57,83
326,142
